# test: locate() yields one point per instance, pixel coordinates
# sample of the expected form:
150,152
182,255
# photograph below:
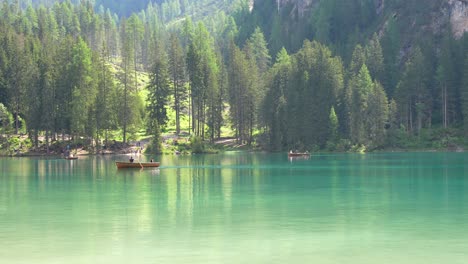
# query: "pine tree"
360,88
464,93
6,120
240,93
259,49
374,58
84,92
274,104
391,48
135,32
156,143
446,82
412,95
177,73
105,104
17,73
159,89
377,115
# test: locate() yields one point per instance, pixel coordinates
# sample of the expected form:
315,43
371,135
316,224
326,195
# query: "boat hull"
125,165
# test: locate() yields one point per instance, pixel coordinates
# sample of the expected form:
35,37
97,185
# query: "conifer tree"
360,88
159,89
377,115
177,73
446,79
374,58
412,95
464,94
259,49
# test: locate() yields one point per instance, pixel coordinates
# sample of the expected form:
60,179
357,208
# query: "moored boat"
71,158
126,164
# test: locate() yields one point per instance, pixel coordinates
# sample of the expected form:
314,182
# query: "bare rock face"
459,16
299,6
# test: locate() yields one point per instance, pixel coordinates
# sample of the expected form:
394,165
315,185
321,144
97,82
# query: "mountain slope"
343,24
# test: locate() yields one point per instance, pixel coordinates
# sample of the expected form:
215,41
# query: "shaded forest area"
77,71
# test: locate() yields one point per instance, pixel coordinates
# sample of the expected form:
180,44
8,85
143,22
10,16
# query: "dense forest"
354,76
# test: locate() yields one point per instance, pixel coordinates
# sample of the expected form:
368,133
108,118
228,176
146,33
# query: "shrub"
197,144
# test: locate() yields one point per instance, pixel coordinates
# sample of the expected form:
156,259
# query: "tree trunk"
176,105
125,104
190,114
47,141
444,106
36,139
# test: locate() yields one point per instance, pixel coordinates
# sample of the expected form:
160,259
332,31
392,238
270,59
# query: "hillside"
125,7
356,75
343,25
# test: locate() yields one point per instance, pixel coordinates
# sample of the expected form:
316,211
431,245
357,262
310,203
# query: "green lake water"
237,208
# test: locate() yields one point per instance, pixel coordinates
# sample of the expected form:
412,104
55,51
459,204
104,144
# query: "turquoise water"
237,208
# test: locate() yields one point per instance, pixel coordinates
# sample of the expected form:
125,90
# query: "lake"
237,208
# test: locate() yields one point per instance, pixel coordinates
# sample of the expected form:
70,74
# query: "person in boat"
131,159
151,160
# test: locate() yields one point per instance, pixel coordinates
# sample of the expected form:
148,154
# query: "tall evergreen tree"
106,101
258,47
159,90
464,94
84,91
135,32
177,73
391,48
374,58
446,78
241,94
360,88
412,95
377,115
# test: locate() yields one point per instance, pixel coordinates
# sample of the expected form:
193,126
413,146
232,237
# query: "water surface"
237,208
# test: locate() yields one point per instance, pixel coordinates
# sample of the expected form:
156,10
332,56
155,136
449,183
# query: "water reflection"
200,202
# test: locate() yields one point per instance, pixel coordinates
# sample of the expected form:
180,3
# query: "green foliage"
360,88
333,124
155,147
256,47
242,95
177,75
6,120
412,94
159,89
375,59
197,145
302,92
76,69
464,93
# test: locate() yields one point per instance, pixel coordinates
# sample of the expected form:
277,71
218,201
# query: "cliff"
453,11
458,12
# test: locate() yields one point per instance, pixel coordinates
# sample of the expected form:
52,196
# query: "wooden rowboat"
135,164
299,154
71,158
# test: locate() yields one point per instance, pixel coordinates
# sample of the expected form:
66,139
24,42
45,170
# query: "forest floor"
171,145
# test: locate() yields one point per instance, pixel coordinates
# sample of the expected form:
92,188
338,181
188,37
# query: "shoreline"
126,152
